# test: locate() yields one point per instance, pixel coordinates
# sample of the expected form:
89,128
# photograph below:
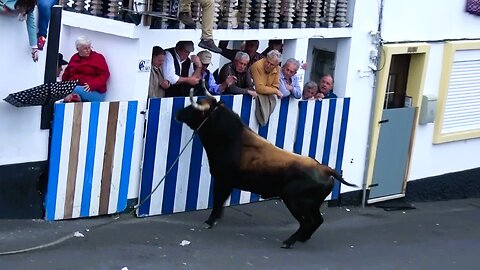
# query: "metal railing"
229,14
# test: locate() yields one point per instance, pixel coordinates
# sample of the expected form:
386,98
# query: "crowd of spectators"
261,75
248,72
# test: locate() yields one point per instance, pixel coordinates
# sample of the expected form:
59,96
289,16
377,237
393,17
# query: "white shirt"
169,67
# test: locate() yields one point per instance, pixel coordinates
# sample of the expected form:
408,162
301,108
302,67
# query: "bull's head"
194,114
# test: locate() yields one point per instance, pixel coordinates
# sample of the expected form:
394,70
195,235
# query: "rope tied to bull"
117,216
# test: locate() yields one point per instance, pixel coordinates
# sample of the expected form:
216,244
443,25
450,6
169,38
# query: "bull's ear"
221,103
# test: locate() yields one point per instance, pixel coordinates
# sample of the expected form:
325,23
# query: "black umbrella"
42,94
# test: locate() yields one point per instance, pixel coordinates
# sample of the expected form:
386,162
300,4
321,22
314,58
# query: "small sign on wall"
144,65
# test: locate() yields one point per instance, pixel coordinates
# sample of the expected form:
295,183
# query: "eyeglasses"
290,71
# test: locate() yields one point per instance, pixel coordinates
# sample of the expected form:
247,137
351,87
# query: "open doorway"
323,63
398,100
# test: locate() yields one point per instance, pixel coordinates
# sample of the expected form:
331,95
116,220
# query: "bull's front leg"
220,195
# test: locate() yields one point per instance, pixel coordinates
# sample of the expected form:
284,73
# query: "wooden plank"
110,139
73,159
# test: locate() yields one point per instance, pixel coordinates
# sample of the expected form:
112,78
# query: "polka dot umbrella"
42,94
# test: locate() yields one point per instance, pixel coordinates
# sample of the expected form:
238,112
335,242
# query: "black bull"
239,158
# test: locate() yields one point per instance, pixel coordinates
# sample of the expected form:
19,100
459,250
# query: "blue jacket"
8,7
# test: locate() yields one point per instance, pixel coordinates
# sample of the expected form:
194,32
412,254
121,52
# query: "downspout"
377,40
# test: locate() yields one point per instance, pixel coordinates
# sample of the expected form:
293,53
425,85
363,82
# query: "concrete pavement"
435,235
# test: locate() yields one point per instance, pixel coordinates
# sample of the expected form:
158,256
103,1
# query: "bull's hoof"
209,225
287,246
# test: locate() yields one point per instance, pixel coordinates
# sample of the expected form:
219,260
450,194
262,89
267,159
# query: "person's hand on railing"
230,80
252,93
279,94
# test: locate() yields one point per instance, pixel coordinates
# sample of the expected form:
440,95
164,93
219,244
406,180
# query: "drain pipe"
378,46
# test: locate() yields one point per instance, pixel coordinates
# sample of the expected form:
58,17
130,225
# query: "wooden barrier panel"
90,159
313,128
93,143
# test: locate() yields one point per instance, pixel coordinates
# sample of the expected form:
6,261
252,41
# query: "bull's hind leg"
220,195
296,208
316,220
314,217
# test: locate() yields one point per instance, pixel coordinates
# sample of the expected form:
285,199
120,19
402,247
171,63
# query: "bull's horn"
207,93
195,105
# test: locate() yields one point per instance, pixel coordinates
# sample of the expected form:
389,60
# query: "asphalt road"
435,235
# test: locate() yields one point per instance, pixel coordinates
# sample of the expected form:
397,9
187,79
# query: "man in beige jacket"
157,84
266,78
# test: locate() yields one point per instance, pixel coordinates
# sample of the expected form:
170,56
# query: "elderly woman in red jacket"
91,71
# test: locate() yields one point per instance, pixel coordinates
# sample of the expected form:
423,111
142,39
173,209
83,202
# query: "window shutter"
462,106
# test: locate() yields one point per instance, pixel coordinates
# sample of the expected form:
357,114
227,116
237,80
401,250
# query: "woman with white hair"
309,91
91,71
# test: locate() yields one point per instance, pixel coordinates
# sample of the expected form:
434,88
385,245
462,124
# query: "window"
458,112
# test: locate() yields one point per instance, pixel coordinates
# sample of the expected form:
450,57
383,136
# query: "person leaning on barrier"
24,10
208,9
289,81
325,87
236,76
91,71
207,76
266,74
179,70
309,90
266,77
157,83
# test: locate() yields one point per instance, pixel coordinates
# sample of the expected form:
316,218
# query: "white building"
411,67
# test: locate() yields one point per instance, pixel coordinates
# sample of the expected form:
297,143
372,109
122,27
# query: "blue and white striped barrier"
313,128
90,159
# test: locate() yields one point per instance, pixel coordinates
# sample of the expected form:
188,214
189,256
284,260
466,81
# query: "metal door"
393,152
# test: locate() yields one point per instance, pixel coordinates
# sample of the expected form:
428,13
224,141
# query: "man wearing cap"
208,9
179,71
207,76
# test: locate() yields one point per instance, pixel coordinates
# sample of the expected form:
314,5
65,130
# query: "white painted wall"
124,45
433,22
353,76
429,159
21,139
413,20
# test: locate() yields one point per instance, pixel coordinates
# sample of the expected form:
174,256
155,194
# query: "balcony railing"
229,14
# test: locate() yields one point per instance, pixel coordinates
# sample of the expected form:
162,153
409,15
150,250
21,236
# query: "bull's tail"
338,176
